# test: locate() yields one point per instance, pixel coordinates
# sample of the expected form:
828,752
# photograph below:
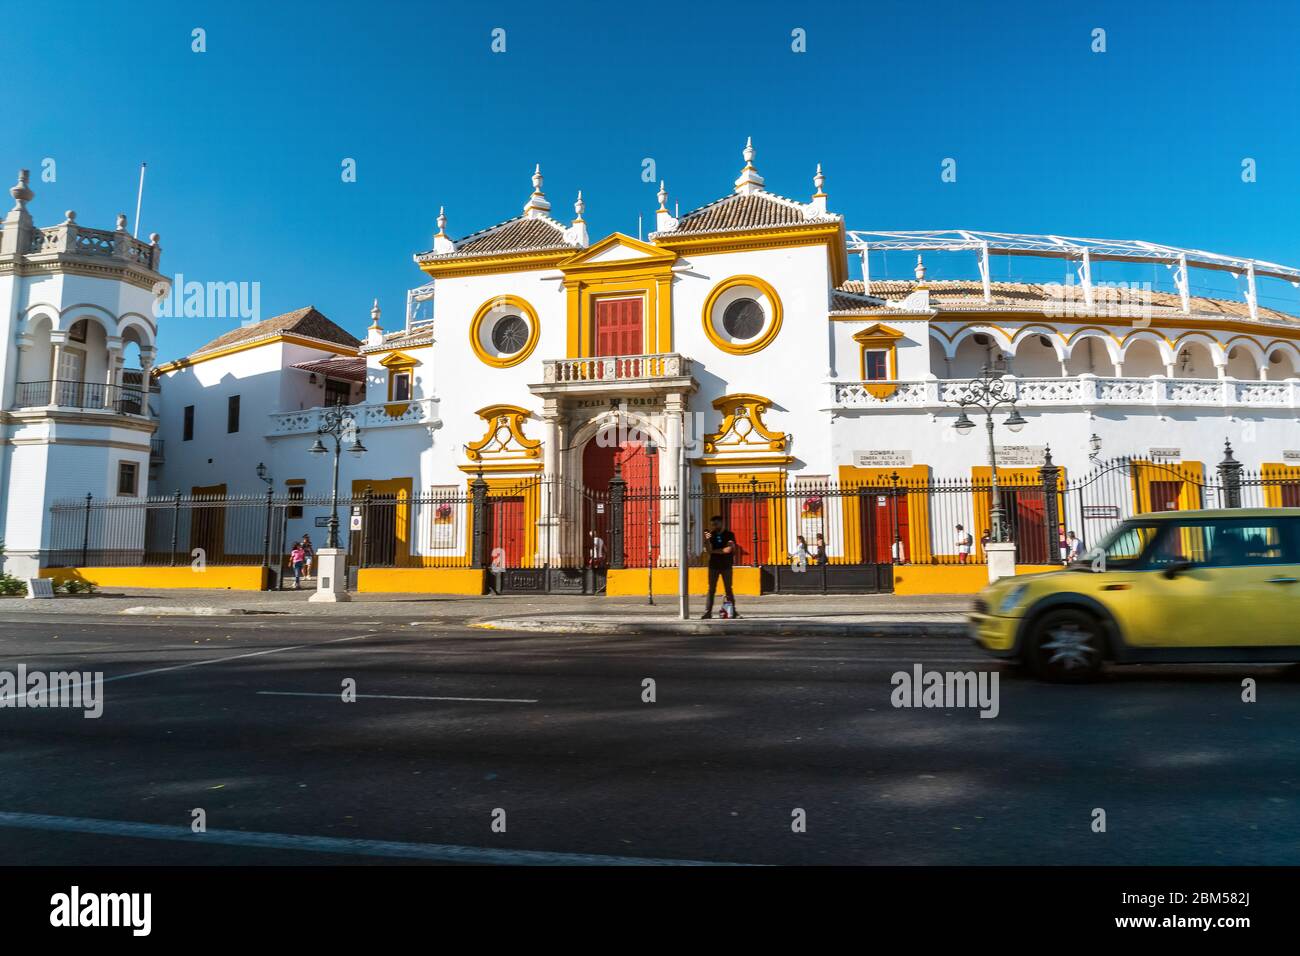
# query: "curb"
745,627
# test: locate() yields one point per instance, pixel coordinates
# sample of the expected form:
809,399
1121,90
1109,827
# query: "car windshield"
1123,547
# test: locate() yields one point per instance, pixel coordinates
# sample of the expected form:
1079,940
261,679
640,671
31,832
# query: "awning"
349,369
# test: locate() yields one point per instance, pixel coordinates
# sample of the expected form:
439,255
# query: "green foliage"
75,586
10,585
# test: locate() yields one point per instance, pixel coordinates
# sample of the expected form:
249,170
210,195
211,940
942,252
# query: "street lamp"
264,473
986,394
337,422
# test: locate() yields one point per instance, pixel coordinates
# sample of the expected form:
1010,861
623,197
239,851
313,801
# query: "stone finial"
70,216
579,207
662,196
819,181
121,222
442,221
537,205
920,268
374,315
20,191
749,181
817,205
154,238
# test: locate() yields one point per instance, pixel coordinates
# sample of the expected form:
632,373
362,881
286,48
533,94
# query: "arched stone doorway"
640,470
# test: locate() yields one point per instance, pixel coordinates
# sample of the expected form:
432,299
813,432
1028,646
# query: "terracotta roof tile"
305,322
521,234
745,211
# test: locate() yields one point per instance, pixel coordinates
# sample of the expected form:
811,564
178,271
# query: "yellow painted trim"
879,338
1277,472
721,484
918,508
213,578
774,321
1142,472
632,582
401,489
743,461
280,338
475,326
831,235
508,467
512,418
743,406
951,578
649,277
494,264
420,581
398,359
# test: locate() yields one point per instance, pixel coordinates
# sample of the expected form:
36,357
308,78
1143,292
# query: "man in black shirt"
721,547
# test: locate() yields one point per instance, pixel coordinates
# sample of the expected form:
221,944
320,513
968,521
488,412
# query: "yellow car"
1178,586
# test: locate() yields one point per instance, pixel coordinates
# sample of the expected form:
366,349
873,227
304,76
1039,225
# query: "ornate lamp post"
338,423
986,394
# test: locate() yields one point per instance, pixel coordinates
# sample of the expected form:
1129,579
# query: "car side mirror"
1177,568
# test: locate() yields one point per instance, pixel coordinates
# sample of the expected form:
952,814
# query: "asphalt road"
453,723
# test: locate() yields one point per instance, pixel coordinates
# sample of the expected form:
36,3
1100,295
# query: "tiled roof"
745,211
349,368
961,292
521,234
305,322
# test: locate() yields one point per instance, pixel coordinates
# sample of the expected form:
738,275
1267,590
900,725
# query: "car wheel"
1066,646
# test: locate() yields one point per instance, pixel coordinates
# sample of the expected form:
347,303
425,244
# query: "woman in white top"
964,541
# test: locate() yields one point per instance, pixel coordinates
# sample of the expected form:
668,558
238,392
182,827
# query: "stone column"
551,506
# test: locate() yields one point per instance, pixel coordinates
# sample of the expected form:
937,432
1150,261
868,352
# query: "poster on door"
443,537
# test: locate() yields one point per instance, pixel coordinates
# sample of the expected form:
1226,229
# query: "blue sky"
245,141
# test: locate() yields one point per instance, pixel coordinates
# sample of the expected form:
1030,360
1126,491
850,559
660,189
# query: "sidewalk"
832,614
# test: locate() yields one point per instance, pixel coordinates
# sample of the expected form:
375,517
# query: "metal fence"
546,524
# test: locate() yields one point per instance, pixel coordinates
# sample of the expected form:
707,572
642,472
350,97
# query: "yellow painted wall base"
423,580
952,578
229,579
632,582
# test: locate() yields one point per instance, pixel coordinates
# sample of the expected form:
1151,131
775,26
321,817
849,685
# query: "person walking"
819,551
308,554
720,545
1073,548
964,542
799,564
297,557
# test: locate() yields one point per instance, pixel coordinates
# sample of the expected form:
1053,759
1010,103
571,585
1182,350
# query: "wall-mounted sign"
883,458
355,523
322,521
1021,456
1291,456
1166,454
1101,511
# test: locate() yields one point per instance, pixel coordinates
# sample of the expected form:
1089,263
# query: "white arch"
998,336
1283,347
1251,347
1054,337
134,320
1217,353
69,316
1144,335
1112,347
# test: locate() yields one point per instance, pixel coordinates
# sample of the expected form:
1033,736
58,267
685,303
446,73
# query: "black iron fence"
550,524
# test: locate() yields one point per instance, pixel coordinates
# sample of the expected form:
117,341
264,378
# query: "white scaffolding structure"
1086,251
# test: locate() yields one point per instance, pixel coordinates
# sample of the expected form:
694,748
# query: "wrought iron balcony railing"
122,399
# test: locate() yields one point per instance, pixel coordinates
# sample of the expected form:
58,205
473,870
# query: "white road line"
336,695
435,852
213,660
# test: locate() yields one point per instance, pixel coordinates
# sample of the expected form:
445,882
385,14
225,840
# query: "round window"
743,319
509,334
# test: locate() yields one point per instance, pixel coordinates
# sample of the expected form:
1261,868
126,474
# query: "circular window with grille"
742,315
504,331
509,334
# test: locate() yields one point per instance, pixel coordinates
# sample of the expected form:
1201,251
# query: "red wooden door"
882,508
618,327
745,514
1291,495
1030,517
1164,495
507,530
640,504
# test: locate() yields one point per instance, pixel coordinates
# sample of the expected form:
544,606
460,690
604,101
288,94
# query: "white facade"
76,416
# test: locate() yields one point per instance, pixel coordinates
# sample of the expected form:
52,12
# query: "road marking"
213,660
437,852
487,700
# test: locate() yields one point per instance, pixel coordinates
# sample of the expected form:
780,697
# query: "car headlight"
1012,599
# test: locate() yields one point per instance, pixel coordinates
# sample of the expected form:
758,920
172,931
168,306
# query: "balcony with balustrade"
98,398
421,412
616,375
1083,392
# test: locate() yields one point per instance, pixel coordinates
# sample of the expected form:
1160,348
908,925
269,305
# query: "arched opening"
1089,355
1035,357
940,365
132,392
1242,363
625,450
976,352
34,365
1282,364
1194,360
1142,358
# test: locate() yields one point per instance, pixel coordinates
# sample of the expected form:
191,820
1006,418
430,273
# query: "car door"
1169,597
1261,577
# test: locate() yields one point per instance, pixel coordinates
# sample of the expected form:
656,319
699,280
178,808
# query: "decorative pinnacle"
579,207
920,268
121,222
374,315
819,181
537,204
70,216
22,195
442,221
750,181
663,196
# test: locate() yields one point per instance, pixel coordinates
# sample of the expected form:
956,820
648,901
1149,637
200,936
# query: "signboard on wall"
1166,454
1291,457
322,521
1101,511
1021,456
883,458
